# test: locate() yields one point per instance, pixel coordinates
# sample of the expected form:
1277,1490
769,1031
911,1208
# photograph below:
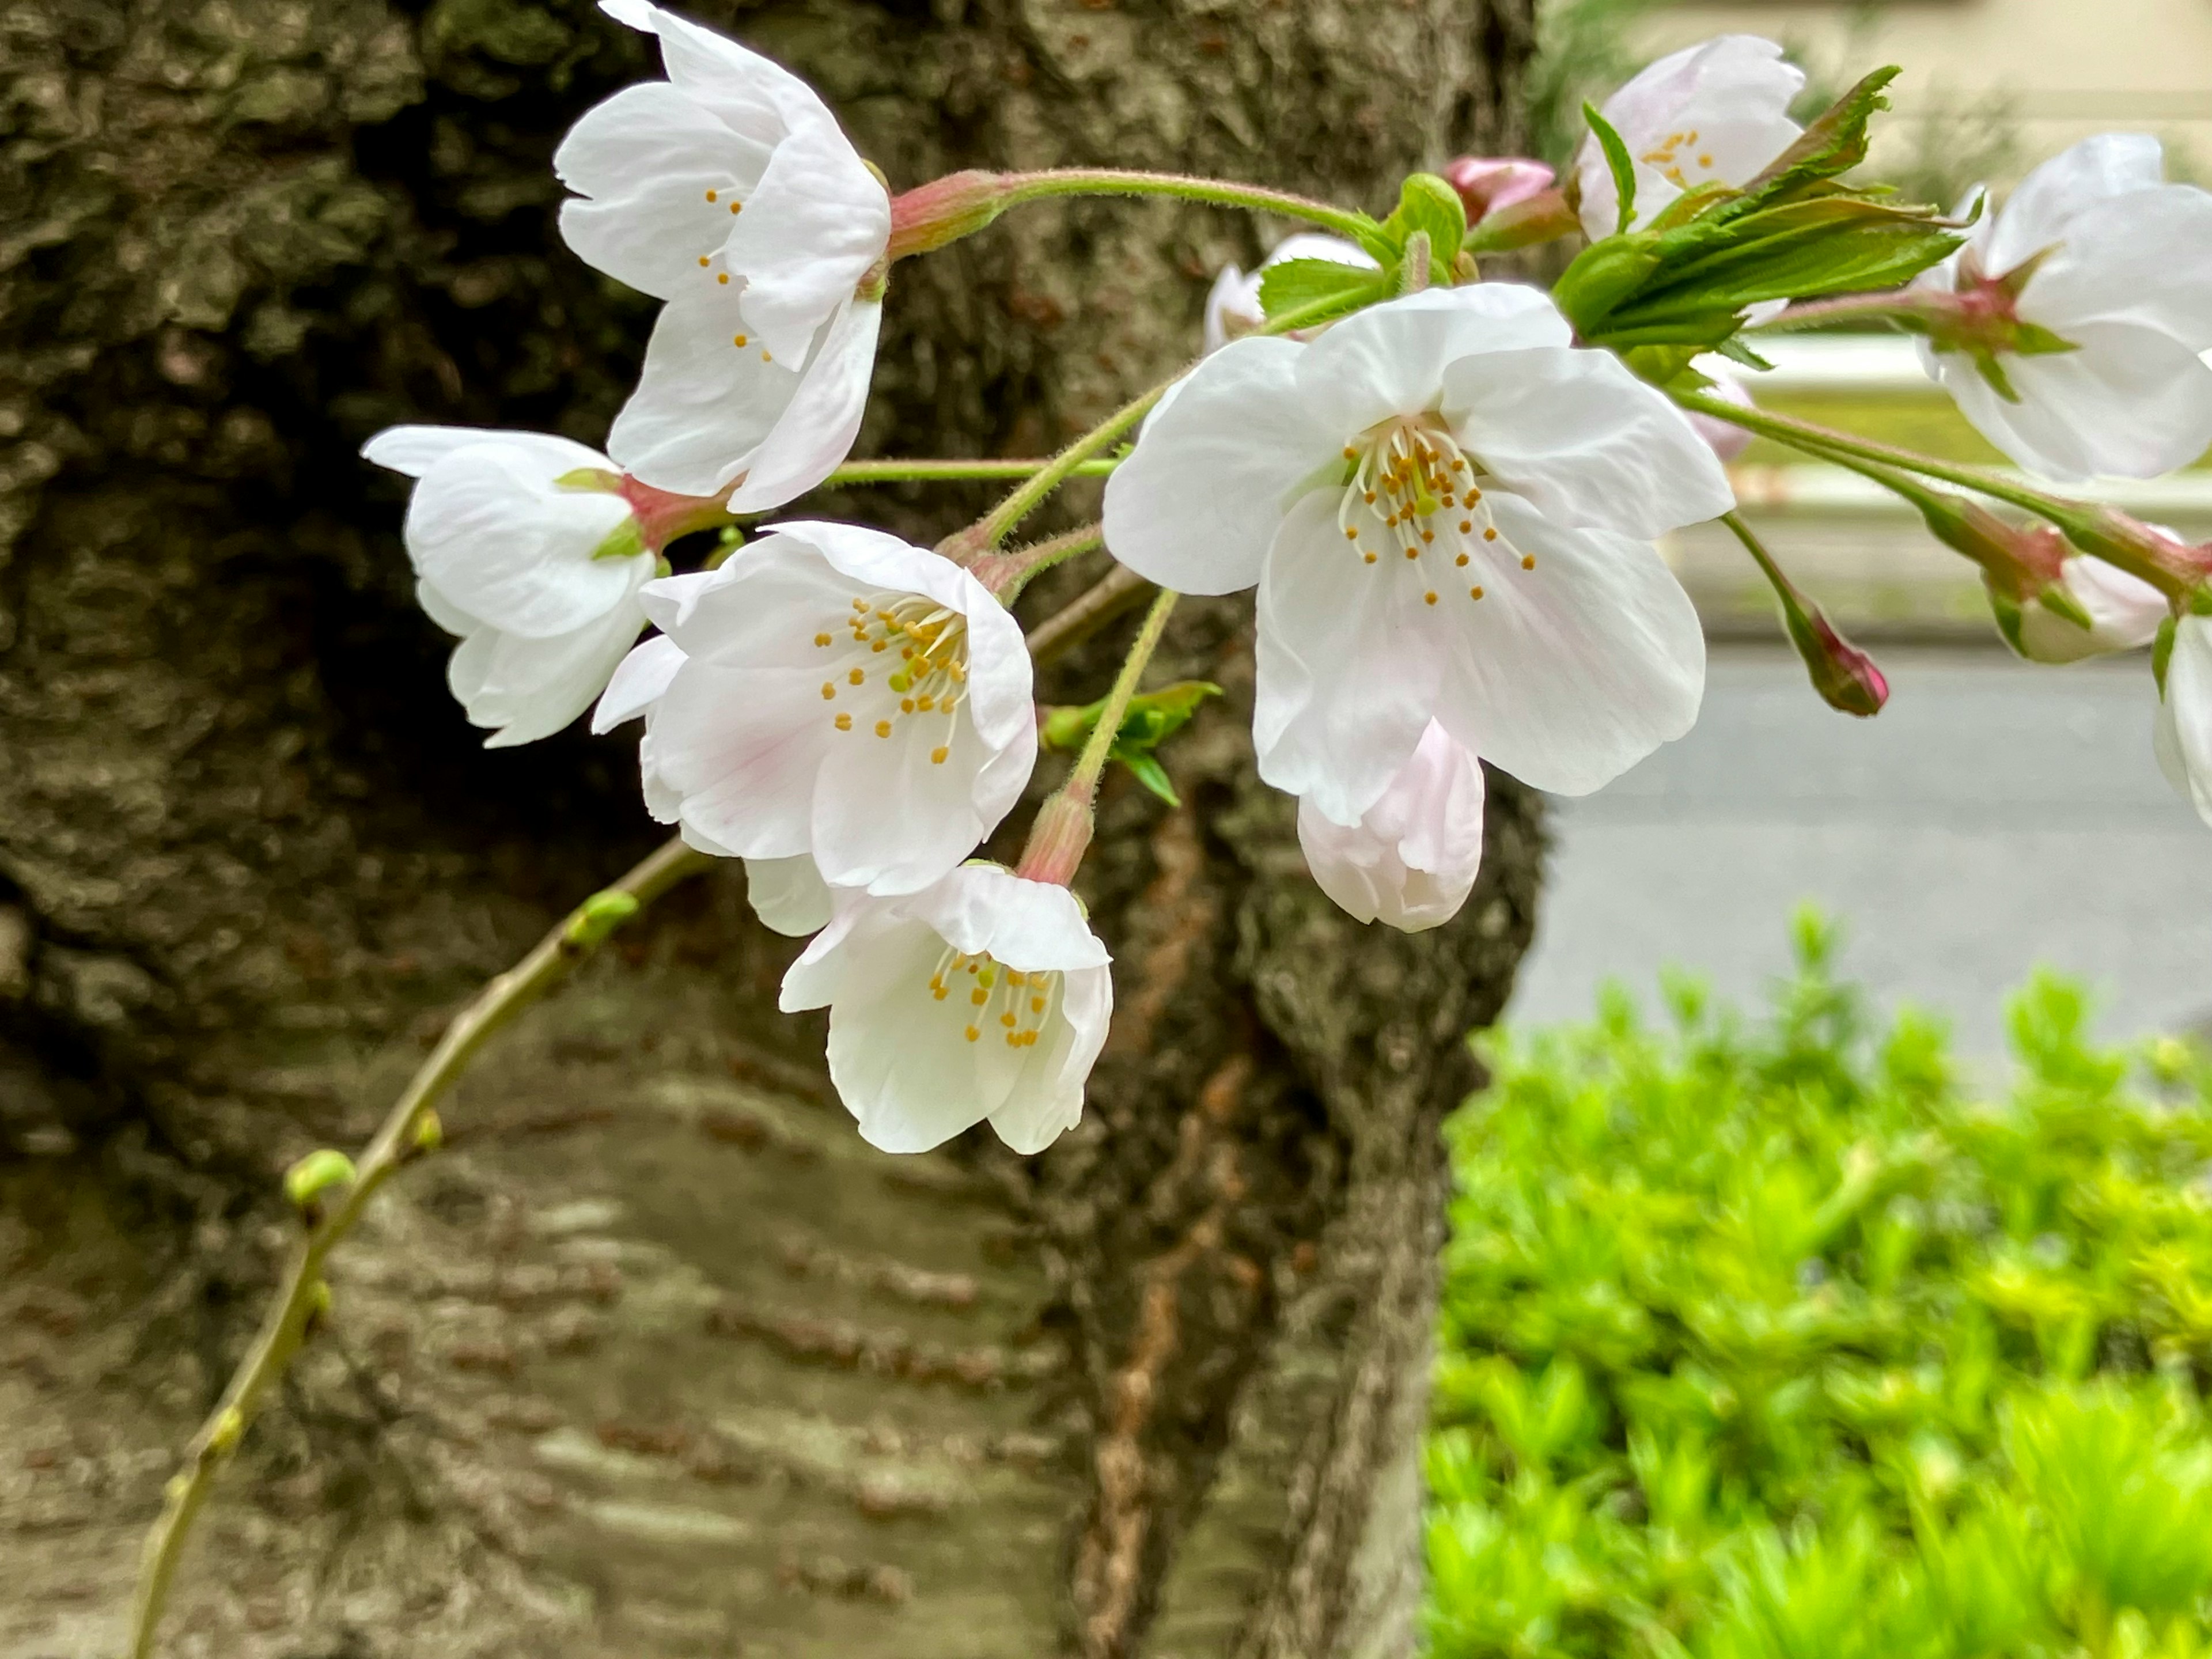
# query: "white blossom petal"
1716,111
2133,402
1348,667
656,174
1577,434
815,432
703,404
2040,212
529,688
2183,734
1391,360
414,450
490,528
1195,505
809,233
1567,674
1411,861
638,681
788,895
2125,613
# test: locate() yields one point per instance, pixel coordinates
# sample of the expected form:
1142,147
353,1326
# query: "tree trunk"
659,1358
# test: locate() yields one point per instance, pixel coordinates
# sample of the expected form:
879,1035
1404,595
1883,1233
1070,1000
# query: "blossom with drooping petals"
833,691
523,546
2183,735
2109,268
1232,305
1713,113
2125,612
729,191
983,996
1448,512
1411,860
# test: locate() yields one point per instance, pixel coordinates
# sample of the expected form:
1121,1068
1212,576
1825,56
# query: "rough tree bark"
659,1358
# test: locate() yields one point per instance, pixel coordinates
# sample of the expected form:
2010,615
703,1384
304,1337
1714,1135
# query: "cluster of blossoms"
1445,492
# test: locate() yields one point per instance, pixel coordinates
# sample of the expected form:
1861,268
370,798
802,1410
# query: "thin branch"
895,471
407,1128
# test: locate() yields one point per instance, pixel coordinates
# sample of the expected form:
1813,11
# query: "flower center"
904,655
1413,498
1680,149
995,998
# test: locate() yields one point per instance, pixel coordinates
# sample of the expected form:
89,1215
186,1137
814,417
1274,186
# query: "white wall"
2072,67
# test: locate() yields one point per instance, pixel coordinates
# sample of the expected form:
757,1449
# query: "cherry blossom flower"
2079,313
2183,735
831,691
1411,860
2125,612
729,191
1232,306
983,996
524,547
1448,512
1713,113
1491,184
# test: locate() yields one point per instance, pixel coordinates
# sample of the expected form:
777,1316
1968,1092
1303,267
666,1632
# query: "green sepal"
590,477
2161,651
1148,771
597,917
1602,276
2007,612
316,1173
625,541
1736,351
1623,168
1296,284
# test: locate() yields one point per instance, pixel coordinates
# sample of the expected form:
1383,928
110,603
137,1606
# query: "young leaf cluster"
1764,1338
1795,232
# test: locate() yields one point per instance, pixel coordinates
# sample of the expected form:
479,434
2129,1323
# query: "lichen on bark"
248,851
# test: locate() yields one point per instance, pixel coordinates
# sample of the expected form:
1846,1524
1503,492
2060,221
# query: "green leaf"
1296,284
1617,159
1426,202
1736,351
1832,145
1148,771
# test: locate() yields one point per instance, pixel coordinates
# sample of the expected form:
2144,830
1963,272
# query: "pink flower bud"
1724,438
1844,676
1488,184
944,209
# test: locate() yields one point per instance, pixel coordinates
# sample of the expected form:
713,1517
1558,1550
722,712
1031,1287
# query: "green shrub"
1764,1339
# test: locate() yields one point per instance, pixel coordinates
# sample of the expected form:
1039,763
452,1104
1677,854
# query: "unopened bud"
1844,676
597,917
1491,184
429,1131
1058,840
944,209
224,1436
319,1307
320,1170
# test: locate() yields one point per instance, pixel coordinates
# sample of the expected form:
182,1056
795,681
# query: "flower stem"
1092,762
302,1294
935,472
1116,181
1024,499
2169,567
1850,308
1006,573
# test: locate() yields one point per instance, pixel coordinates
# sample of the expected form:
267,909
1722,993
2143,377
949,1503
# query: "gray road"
1996,815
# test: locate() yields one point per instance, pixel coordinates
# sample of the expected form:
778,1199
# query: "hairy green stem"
1092,762
1006,574
936,471
303,1294
1115,181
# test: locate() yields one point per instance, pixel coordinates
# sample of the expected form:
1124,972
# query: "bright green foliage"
1763,1340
